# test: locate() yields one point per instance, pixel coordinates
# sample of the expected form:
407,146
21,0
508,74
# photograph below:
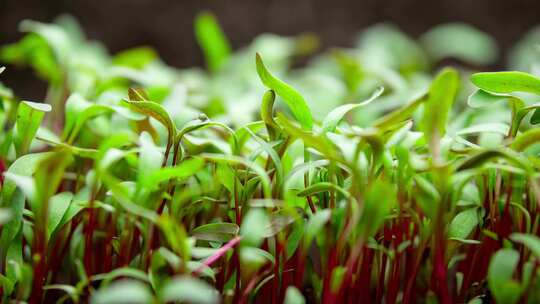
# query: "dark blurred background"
167,24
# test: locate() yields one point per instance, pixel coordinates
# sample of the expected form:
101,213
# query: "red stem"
218,254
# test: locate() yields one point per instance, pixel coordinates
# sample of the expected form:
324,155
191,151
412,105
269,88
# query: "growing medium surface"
370,174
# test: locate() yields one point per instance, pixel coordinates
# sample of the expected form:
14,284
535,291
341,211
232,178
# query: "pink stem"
218,254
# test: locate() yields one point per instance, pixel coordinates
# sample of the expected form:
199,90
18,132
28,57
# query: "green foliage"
441,95
460,41
136,182
212,40
501,269
333,118
463,224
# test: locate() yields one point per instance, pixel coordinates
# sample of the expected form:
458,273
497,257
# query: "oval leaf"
507,82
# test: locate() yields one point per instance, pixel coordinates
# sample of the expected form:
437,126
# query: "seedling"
365,176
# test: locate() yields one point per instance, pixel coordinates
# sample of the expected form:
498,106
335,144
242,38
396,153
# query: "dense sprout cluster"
369,174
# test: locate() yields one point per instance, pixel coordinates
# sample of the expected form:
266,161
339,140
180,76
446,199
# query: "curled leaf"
267,113
292,98
138,102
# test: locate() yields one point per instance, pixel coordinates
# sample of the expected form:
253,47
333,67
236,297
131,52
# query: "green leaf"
476,300
121,272
216,232
481,98
124,291
322,187
78,151
461,41
463,224
333,118
176,236
187,289
25,183
478,159
530,241
317,142
226,176
535,118
55,36
231,159
253,258
204,271
121,194
295,237
350,68
78,111
68,289
212,40
254,227
293,296
150,160
465,241
501,270
139,103
184,170
300,169
58,206
34,51
315,224
337,278
50,173
267,113
202,123
77,204
5,216
401,114
136,57
507,82
14,199
273,156
442,92
385,46
379,200
29,117
292,98
526,139
495,127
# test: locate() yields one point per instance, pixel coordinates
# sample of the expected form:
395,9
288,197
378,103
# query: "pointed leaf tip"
43,107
